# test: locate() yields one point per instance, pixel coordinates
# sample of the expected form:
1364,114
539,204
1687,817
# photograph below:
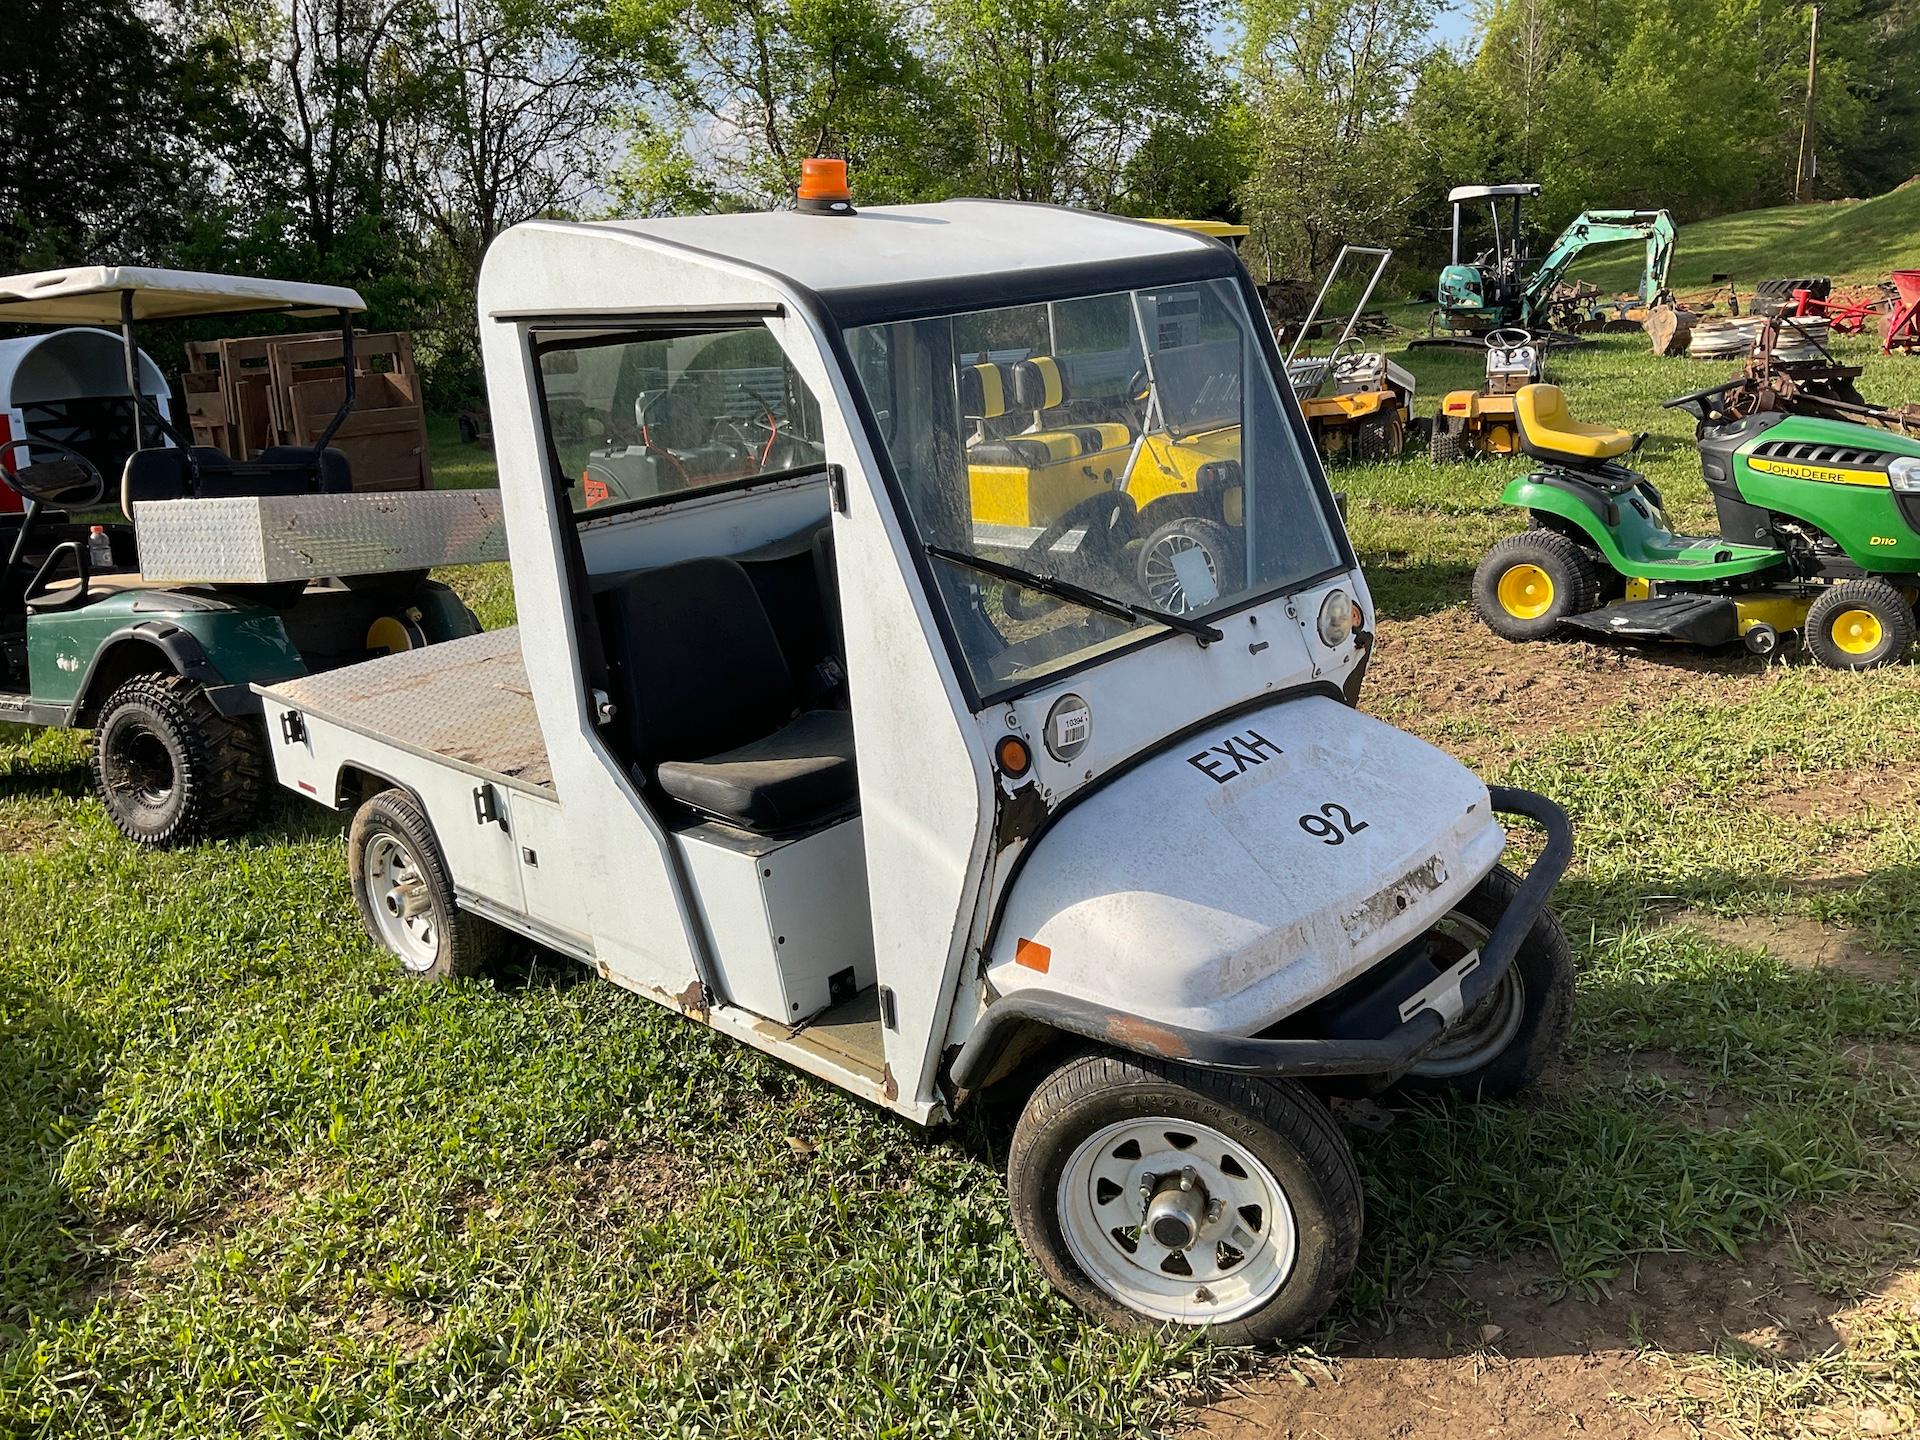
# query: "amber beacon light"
823,187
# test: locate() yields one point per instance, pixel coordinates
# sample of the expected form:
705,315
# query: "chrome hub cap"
402,904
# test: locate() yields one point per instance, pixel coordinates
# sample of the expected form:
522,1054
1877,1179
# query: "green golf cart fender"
78,658
1630,532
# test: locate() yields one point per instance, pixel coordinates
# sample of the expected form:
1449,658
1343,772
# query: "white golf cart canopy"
1526,189
933,257
98,295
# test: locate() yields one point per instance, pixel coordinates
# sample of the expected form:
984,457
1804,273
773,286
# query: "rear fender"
1579,509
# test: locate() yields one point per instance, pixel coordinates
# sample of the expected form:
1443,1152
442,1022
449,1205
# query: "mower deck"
1691,619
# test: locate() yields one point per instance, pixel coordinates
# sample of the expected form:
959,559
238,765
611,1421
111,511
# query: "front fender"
1225,883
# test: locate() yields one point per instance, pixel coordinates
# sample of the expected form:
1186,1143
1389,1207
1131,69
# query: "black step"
1694,619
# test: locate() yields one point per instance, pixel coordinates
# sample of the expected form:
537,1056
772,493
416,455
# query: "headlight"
1904,474
1336,619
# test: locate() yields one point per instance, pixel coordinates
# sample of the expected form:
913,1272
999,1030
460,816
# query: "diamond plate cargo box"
266,539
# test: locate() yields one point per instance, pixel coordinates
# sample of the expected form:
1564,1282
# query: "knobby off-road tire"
170,768
1278,1250
1448,446
1859,625
1529,583
406,897
1507,1042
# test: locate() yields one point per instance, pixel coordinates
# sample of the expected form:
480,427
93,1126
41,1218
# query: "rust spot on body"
889,1086
1137,1034
693,1000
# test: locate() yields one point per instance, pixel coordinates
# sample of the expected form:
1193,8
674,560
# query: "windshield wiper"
1078,594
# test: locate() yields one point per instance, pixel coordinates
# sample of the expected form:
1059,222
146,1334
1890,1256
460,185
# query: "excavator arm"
1598,227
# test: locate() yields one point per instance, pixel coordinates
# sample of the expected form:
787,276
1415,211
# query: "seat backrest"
154,475
983,391
207,474
1038,383
694,662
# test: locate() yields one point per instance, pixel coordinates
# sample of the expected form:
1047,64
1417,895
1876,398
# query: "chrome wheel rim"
1164,587
1481,1034
402,905
1135,1178
139,768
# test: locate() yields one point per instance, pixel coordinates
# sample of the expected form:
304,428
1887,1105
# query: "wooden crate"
247,394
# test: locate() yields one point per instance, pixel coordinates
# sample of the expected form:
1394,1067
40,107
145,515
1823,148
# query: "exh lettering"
1234,756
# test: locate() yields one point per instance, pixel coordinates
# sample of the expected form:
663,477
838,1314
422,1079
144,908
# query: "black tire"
170,768
391,840
1841,636
1153,570
1448,446
1379,437
469,432
1508,1042
1573,584
1277,1122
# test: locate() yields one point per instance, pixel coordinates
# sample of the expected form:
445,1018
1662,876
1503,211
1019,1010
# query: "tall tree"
1331,162
752,87
1059,95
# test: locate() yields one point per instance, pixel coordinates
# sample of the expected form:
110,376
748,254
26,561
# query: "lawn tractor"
1481,422
1819,533
1501,286
1358,403
148,625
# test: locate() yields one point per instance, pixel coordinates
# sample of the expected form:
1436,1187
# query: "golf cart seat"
206,474
707,707
989,391
1549,432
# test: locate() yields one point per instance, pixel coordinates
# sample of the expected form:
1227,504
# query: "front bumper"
1290,1056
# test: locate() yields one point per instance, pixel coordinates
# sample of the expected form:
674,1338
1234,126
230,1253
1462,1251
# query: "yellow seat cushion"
1549,430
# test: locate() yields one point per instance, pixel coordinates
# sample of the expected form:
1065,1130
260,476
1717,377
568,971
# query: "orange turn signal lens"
1033,955
1012,756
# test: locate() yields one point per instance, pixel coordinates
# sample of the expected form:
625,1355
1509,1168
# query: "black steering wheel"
72,480
1108,517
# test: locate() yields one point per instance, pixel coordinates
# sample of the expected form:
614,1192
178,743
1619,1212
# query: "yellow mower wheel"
1526,592
1857,632
1529,583
1859,624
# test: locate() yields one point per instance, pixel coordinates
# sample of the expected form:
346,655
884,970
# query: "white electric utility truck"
783,743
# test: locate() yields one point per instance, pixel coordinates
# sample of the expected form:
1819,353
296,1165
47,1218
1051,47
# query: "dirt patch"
613,1185
373,1320
1491,1350
20,834
1447,667
1833,796
1803,943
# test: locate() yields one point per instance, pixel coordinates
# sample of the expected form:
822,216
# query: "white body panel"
266,539
1188,890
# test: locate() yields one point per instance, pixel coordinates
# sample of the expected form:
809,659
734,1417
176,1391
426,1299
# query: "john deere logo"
1828,474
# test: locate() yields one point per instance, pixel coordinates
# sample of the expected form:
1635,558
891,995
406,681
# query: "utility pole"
1803,170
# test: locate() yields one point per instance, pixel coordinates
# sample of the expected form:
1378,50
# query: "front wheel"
1505,1043
1529,583
1187,564
170,768
1153,1193
1859,625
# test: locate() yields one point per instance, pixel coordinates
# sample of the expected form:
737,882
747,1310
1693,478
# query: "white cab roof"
884,247
1527,188
91,295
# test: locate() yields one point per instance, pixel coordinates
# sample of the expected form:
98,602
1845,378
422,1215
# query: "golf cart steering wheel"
768,423
1108,518
72,480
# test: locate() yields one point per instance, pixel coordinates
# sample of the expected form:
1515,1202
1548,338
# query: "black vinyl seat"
704,701
170,473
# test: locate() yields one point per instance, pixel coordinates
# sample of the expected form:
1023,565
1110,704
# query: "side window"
645,415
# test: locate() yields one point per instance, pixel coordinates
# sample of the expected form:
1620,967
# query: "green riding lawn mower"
1819,522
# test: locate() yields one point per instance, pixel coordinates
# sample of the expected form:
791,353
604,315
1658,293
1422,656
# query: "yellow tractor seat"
1548,430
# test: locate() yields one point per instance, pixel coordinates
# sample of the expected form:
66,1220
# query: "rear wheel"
406,897
1448,446
1160,1194
1530,583
170,768
1859,624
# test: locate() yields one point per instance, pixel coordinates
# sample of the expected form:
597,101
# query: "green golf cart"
159,661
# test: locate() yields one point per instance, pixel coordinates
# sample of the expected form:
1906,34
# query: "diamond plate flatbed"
466,702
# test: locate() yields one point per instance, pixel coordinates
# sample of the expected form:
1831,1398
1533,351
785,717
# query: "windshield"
1131,444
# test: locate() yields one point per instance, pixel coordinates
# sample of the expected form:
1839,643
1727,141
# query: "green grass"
255,1183
1851,240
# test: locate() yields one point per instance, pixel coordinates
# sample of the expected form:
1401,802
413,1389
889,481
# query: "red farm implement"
1903,324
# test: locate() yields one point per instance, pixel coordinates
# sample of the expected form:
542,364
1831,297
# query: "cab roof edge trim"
93,294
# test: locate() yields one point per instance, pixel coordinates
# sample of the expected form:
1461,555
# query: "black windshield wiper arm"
1078,594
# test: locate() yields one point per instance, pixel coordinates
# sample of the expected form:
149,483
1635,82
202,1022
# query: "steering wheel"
1108,518
1510,337
72,480
768,424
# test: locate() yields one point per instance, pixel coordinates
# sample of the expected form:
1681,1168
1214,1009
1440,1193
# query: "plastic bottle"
99,548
